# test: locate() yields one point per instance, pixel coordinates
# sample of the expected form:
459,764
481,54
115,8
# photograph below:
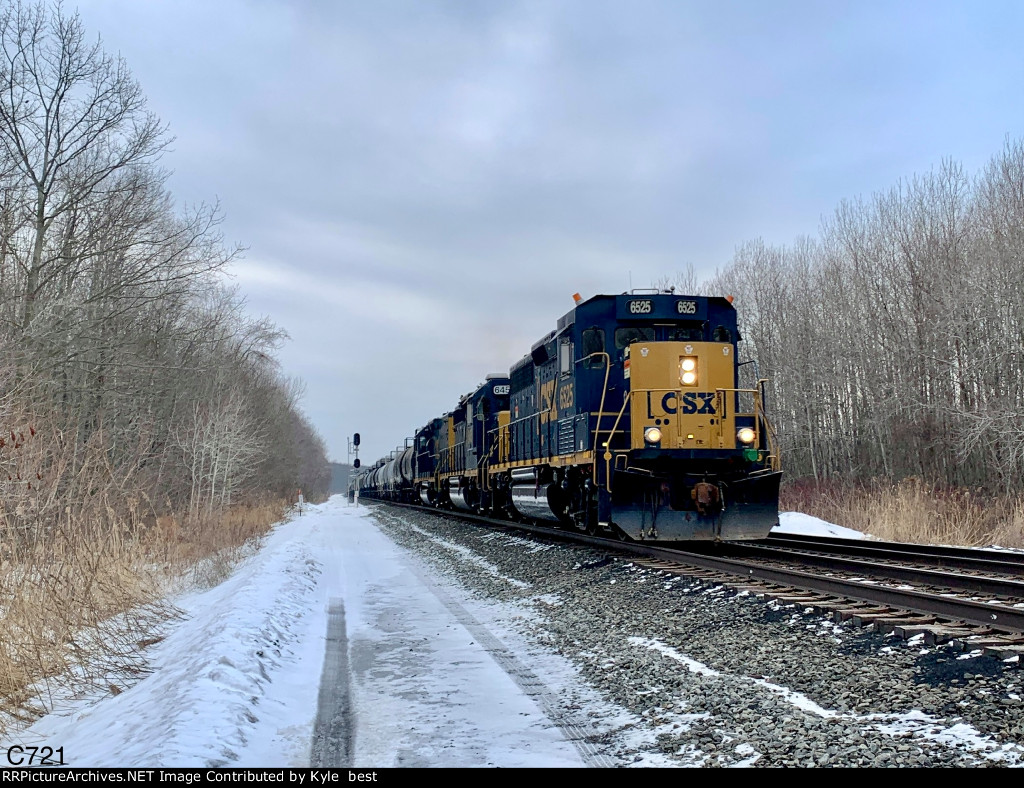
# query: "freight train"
627,419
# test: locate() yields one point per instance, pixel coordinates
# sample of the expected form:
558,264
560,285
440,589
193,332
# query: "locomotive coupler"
707,497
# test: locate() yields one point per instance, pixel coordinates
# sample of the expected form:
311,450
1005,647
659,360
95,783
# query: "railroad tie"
1004,652
859,612
981,641
937,635
901,622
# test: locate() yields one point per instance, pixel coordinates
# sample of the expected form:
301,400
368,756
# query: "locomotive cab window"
630,334
565,357
593,342
721,334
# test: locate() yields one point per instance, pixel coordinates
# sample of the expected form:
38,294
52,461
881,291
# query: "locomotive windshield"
629,334
686,334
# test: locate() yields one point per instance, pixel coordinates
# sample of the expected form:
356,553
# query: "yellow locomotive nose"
676,391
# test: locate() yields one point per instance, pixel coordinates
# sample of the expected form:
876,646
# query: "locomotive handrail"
600,409
773,456
719,394
760,418
607,449
485,462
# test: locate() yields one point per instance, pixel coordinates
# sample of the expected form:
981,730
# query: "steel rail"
985,614
979,584
939,555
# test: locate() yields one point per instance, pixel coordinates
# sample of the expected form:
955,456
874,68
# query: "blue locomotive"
627,419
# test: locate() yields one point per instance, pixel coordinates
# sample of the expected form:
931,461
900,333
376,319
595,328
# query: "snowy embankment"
235,683
232,683
799,523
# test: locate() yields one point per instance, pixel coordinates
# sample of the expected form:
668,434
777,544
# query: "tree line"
893,340
130,375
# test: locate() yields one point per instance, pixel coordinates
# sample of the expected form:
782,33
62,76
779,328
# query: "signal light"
355,439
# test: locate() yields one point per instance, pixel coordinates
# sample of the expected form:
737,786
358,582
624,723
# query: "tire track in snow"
333,731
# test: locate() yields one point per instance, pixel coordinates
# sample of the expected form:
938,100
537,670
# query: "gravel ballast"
681,671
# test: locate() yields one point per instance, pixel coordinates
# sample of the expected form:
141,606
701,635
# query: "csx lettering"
548,402
547,396
700,402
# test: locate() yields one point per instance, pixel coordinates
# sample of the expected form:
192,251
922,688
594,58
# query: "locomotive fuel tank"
457,494
534,498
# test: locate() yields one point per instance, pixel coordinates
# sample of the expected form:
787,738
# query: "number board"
660,306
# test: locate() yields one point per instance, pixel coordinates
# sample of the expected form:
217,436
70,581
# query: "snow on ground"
913,722
236,682
800,523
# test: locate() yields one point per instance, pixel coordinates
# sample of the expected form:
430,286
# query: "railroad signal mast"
353,449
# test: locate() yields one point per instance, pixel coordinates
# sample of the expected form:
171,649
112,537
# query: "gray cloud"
423,185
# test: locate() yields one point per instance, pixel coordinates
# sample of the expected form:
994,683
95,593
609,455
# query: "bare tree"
894,341
72,119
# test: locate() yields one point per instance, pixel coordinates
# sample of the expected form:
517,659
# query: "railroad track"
942,594
966,558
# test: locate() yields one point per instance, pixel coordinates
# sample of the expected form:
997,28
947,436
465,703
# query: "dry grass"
81,595
912,511
208,548
85,564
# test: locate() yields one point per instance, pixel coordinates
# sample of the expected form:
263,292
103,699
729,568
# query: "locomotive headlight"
652,435
746,435
688,370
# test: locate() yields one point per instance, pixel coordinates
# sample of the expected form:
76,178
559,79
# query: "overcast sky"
422,186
